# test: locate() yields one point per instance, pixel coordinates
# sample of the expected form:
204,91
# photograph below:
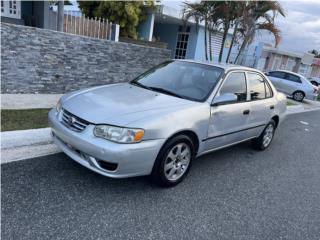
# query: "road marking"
304,123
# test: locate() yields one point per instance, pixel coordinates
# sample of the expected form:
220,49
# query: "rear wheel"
298,96
173,161
265,139
315,83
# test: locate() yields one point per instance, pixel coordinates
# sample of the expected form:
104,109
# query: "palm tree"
205,11
256,16
198,12
227,12
237,11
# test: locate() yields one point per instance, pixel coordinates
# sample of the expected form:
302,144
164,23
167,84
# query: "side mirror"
224,99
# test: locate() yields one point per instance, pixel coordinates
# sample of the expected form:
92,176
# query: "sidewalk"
29,101
23,144
305,106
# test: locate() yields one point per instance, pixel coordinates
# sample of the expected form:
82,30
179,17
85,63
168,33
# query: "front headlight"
59,106
119,134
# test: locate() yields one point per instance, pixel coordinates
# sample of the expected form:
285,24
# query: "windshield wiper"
162,90
156,89
140,85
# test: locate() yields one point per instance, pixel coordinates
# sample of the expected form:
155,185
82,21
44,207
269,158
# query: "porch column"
146,27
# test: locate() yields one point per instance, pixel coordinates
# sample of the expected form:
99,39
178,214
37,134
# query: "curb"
24,144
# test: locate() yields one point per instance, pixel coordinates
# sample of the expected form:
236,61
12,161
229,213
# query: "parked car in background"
159,122
293,84
315,81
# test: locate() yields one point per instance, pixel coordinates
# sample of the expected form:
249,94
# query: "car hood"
120,104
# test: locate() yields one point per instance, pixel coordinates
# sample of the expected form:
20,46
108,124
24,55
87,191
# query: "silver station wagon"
158,123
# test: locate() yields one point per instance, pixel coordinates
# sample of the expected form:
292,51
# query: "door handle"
272,107
246,112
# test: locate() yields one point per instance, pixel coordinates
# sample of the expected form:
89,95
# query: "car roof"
225,66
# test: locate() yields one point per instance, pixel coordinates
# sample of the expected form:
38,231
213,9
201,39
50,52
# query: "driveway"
236,193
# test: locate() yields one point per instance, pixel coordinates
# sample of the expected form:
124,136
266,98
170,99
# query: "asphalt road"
235,193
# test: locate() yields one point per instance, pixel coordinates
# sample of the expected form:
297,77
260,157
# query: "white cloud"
301,27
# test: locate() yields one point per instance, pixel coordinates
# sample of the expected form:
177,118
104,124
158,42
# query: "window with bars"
182,42
10,8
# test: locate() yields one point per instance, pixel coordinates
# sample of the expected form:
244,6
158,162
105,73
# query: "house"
276,59
29,13
267,58
72,8
315,72
185,40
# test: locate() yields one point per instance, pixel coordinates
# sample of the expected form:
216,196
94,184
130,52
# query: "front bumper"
122,160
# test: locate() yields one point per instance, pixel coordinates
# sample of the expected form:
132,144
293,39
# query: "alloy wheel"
177,161
268,135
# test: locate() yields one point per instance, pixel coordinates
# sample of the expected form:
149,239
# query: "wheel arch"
276,119
299,90
191,134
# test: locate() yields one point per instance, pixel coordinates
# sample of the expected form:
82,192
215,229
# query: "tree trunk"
205,39
225,33
210,47
232,41
245,42
243,46
60,16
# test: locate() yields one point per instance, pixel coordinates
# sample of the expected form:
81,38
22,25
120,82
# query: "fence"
81,25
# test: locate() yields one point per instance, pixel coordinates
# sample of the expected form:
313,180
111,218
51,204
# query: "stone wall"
36,60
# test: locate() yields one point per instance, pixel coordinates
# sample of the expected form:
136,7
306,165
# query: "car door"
276,78
229,122
262,103
291,83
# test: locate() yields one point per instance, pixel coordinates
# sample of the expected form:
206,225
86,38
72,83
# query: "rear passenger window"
293,78
258,87
236,84
277,74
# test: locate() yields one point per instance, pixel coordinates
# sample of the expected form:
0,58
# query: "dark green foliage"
127,14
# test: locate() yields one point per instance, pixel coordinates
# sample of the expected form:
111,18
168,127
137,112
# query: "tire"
169,164
264,140
298,96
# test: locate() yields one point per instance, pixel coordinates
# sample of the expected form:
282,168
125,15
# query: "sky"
300,29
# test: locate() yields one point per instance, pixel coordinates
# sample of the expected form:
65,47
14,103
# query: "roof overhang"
282,52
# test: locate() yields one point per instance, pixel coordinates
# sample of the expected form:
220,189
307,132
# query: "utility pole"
60,16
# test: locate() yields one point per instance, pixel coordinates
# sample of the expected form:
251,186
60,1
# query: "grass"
24,119
290,103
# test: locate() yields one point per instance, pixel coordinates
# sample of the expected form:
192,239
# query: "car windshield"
193,81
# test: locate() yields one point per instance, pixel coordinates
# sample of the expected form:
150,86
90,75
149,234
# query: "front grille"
73,122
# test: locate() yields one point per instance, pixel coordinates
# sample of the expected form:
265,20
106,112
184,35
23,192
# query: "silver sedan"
293,84
158,123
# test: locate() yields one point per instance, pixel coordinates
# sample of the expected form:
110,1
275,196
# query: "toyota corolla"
158,123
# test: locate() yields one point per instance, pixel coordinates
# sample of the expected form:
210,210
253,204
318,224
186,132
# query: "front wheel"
173,161
265,139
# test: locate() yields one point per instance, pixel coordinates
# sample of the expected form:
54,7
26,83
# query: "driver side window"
236,84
